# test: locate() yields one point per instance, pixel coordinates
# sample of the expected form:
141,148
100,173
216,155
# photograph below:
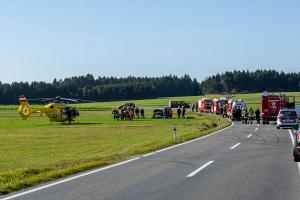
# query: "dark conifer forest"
111,88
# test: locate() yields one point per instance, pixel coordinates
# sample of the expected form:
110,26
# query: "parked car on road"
287,118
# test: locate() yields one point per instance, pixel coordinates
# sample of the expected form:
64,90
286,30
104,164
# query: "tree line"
112,88
102,88
256,81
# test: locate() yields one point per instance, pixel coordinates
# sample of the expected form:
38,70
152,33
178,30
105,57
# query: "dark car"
296,152
158,113
176,104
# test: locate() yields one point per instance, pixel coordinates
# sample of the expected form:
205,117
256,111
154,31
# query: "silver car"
287,118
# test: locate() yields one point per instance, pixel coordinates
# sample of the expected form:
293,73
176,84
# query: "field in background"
36,151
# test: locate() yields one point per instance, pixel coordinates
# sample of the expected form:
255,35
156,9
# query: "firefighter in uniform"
245,116
251,115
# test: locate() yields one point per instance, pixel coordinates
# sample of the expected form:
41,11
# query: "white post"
174,134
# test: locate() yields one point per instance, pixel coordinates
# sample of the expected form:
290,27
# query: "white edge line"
149,154
108,167
69,179
256,129
249,135
293,141
234,146
200,169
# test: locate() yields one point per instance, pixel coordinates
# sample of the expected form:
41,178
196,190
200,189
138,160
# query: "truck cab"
204,105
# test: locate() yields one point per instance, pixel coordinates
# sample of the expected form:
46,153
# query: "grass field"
36,151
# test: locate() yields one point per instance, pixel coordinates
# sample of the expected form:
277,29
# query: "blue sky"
43,40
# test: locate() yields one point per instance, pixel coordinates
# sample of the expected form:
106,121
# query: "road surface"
240,162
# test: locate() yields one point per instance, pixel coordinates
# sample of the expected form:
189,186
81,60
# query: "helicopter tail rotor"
24,109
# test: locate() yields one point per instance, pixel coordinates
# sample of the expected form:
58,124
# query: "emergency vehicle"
272,103
217,104
204,105
234,104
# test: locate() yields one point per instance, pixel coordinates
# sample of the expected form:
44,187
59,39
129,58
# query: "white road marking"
256,129
293,141
149,154
69,179
249,135
199,169
234,146
107,167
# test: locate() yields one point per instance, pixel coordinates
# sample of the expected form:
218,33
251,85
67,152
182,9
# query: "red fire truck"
217,104
272,103
204,105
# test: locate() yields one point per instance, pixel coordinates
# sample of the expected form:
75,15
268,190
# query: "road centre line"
293,141
105,168
249,135
234,146
199,169
256,129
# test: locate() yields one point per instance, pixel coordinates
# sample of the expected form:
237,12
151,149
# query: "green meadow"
36,151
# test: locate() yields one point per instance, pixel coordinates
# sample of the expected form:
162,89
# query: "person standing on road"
257,115
238,114
178,112
224,110
251,115
245,116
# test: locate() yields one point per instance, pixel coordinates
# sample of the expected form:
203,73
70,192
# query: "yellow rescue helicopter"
57,109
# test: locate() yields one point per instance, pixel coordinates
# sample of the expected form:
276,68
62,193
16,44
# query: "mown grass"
35,151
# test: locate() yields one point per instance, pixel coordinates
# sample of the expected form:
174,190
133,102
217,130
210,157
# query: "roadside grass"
35,151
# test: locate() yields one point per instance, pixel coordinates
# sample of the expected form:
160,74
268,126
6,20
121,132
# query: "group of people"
168,113
181,112
128,112
245,115
195,107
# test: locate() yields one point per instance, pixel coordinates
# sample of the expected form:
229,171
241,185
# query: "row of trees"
102,88
112,88
257,81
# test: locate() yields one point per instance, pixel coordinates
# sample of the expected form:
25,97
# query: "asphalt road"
240,162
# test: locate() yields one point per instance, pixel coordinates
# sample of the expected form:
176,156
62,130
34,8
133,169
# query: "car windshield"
207,103
288,113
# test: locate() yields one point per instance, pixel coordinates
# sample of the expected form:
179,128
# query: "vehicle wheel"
296,158
278,127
